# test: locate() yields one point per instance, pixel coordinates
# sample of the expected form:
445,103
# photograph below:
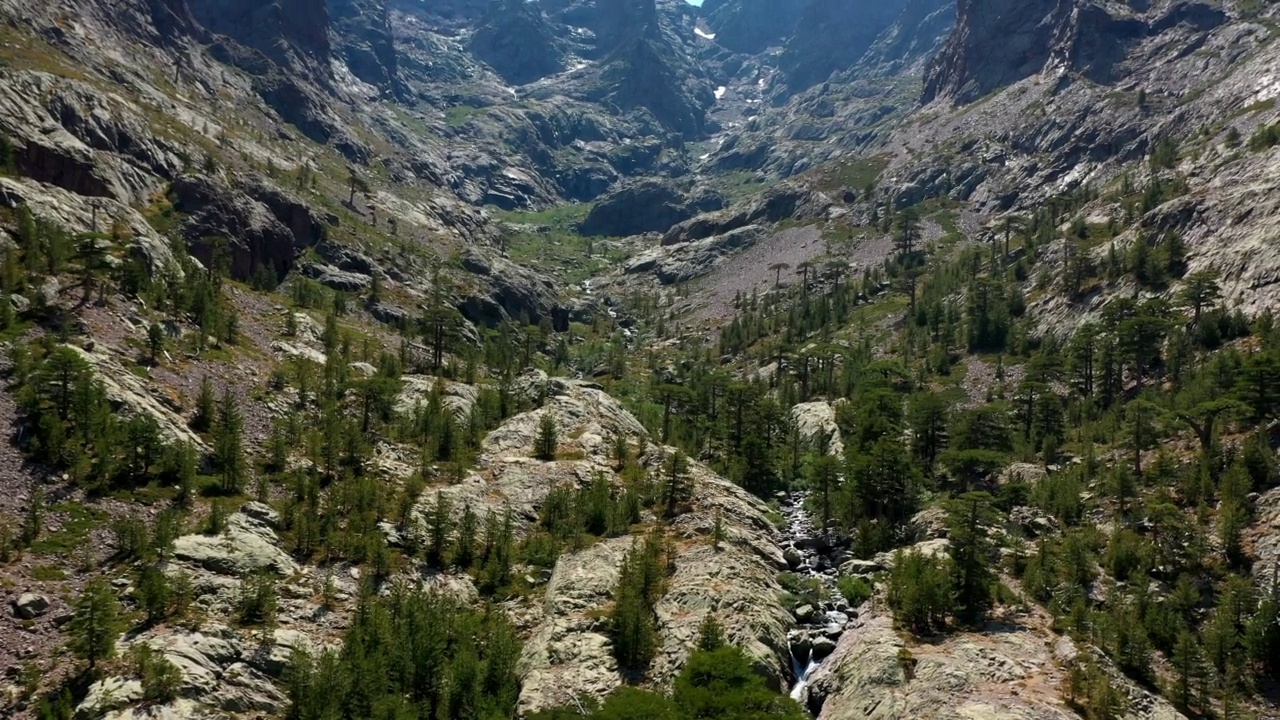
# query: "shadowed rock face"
518,42
751,26
286,31
998,43
994,43
363,38
649,205
833,35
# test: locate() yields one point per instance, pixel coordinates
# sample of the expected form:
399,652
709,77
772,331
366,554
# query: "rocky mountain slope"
291,292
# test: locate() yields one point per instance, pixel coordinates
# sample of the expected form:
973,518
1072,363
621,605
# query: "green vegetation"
412,654
96,624
459,115
641,582
718,682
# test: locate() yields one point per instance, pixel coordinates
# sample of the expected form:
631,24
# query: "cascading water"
811,554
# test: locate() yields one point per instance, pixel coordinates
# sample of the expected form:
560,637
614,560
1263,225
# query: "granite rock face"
518,41
363,38
648,205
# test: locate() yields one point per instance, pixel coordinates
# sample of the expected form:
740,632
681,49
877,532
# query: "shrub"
855,590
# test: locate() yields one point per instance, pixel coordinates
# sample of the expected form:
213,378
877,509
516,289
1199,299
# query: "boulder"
29,606
1028,473
108,694
818,419
249,545
822,647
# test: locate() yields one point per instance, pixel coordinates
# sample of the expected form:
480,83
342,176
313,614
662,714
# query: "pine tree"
1189,672
206,407
155,342
438,531
96,624
228,444
971,551
675,485
547,440
34,522
711,634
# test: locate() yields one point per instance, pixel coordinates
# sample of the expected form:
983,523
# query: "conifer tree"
96,624
228,444
547,440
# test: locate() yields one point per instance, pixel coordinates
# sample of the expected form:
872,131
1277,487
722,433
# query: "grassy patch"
48,573
74,533
739,185
460,115
561,217
27,52
857,173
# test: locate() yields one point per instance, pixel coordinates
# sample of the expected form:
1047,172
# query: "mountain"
602,358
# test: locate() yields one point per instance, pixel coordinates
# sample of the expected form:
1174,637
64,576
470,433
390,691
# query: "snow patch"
720,91
704,34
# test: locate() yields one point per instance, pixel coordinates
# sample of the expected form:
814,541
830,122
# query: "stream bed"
812,553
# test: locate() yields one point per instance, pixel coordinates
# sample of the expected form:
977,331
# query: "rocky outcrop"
957,678
997,43
418,389
509,291
69,134
291,33
675,264
518,42
648,205
262,225
644,64
362,35
77,214
911,41
221,670
783,201
818,419
137,395
993,44
569,653
249,545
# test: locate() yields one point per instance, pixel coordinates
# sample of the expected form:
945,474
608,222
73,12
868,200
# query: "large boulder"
818,419
29,606
249,545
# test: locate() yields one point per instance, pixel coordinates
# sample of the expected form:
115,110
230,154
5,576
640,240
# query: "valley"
639,359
